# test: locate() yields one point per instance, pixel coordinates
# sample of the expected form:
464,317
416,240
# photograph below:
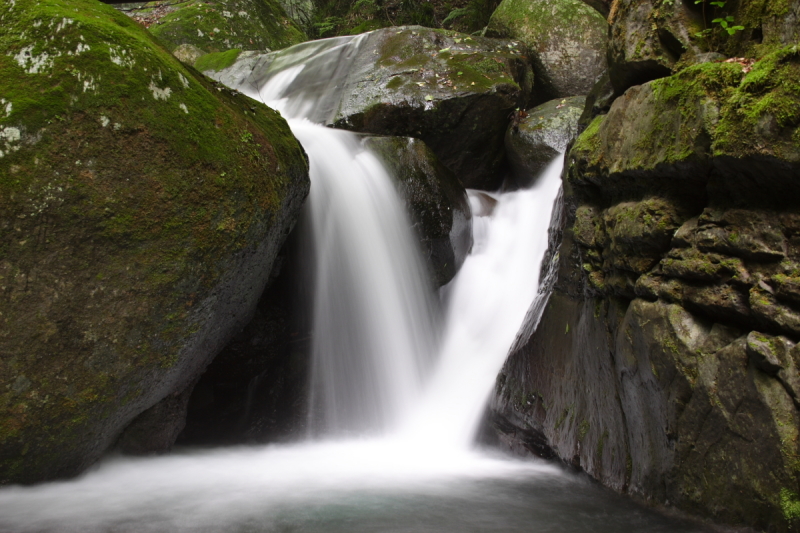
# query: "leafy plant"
722,23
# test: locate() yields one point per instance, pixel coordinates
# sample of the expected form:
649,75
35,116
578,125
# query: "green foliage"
329,18
721,25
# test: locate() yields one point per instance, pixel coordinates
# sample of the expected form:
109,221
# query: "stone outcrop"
665,363
141,210
652,39
538,135
566,39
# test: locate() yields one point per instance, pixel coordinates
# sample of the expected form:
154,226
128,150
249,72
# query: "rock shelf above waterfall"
456,92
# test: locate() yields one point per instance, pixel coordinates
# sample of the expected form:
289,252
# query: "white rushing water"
379,364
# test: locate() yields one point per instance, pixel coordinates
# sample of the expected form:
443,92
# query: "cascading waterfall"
372,314
375,368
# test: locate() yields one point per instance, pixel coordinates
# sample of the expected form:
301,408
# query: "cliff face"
665,363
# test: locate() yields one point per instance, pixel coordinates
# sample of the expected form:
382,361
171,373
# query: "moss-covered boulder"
224,25
538,135
567,40
435,199
453,91
140,210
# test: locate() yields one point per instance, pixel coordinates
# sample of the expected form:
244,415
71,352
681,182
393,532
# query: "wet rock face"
538,135
143,213
665,364
567,41
434,198
224,25
453,91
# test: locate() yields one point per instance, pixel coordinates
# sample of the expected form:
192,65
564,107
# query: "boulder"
538,135
435,199
256,389
141,210
224,25
567,41
453,91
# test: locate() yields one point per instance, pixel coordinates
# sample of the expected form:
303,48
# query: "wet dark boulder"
141,210
538,135
453,91
435,199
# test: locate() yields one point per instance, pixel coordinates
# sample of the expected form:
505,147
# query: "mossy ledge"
142,208
708,120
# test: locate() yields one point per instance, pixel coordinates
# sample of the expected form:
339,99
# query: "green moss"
769,92
583,429
217,61
790,505
588,142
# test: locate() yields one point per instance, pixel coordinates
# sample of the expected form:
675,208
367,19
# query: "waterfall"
373,315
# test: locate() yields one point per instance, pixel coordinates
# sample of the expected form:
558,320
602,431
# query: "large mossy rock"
674,324
435,200
709,116
539,135
141,211
567,41
227,24
453,91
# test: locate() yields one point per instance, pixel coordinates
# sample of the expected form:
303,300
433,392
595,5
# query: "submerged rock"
532,141
453,91
141,210
567,41
435,199
225,25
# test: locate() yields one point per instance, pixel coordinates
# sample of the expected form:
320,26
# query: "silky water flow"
400,376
